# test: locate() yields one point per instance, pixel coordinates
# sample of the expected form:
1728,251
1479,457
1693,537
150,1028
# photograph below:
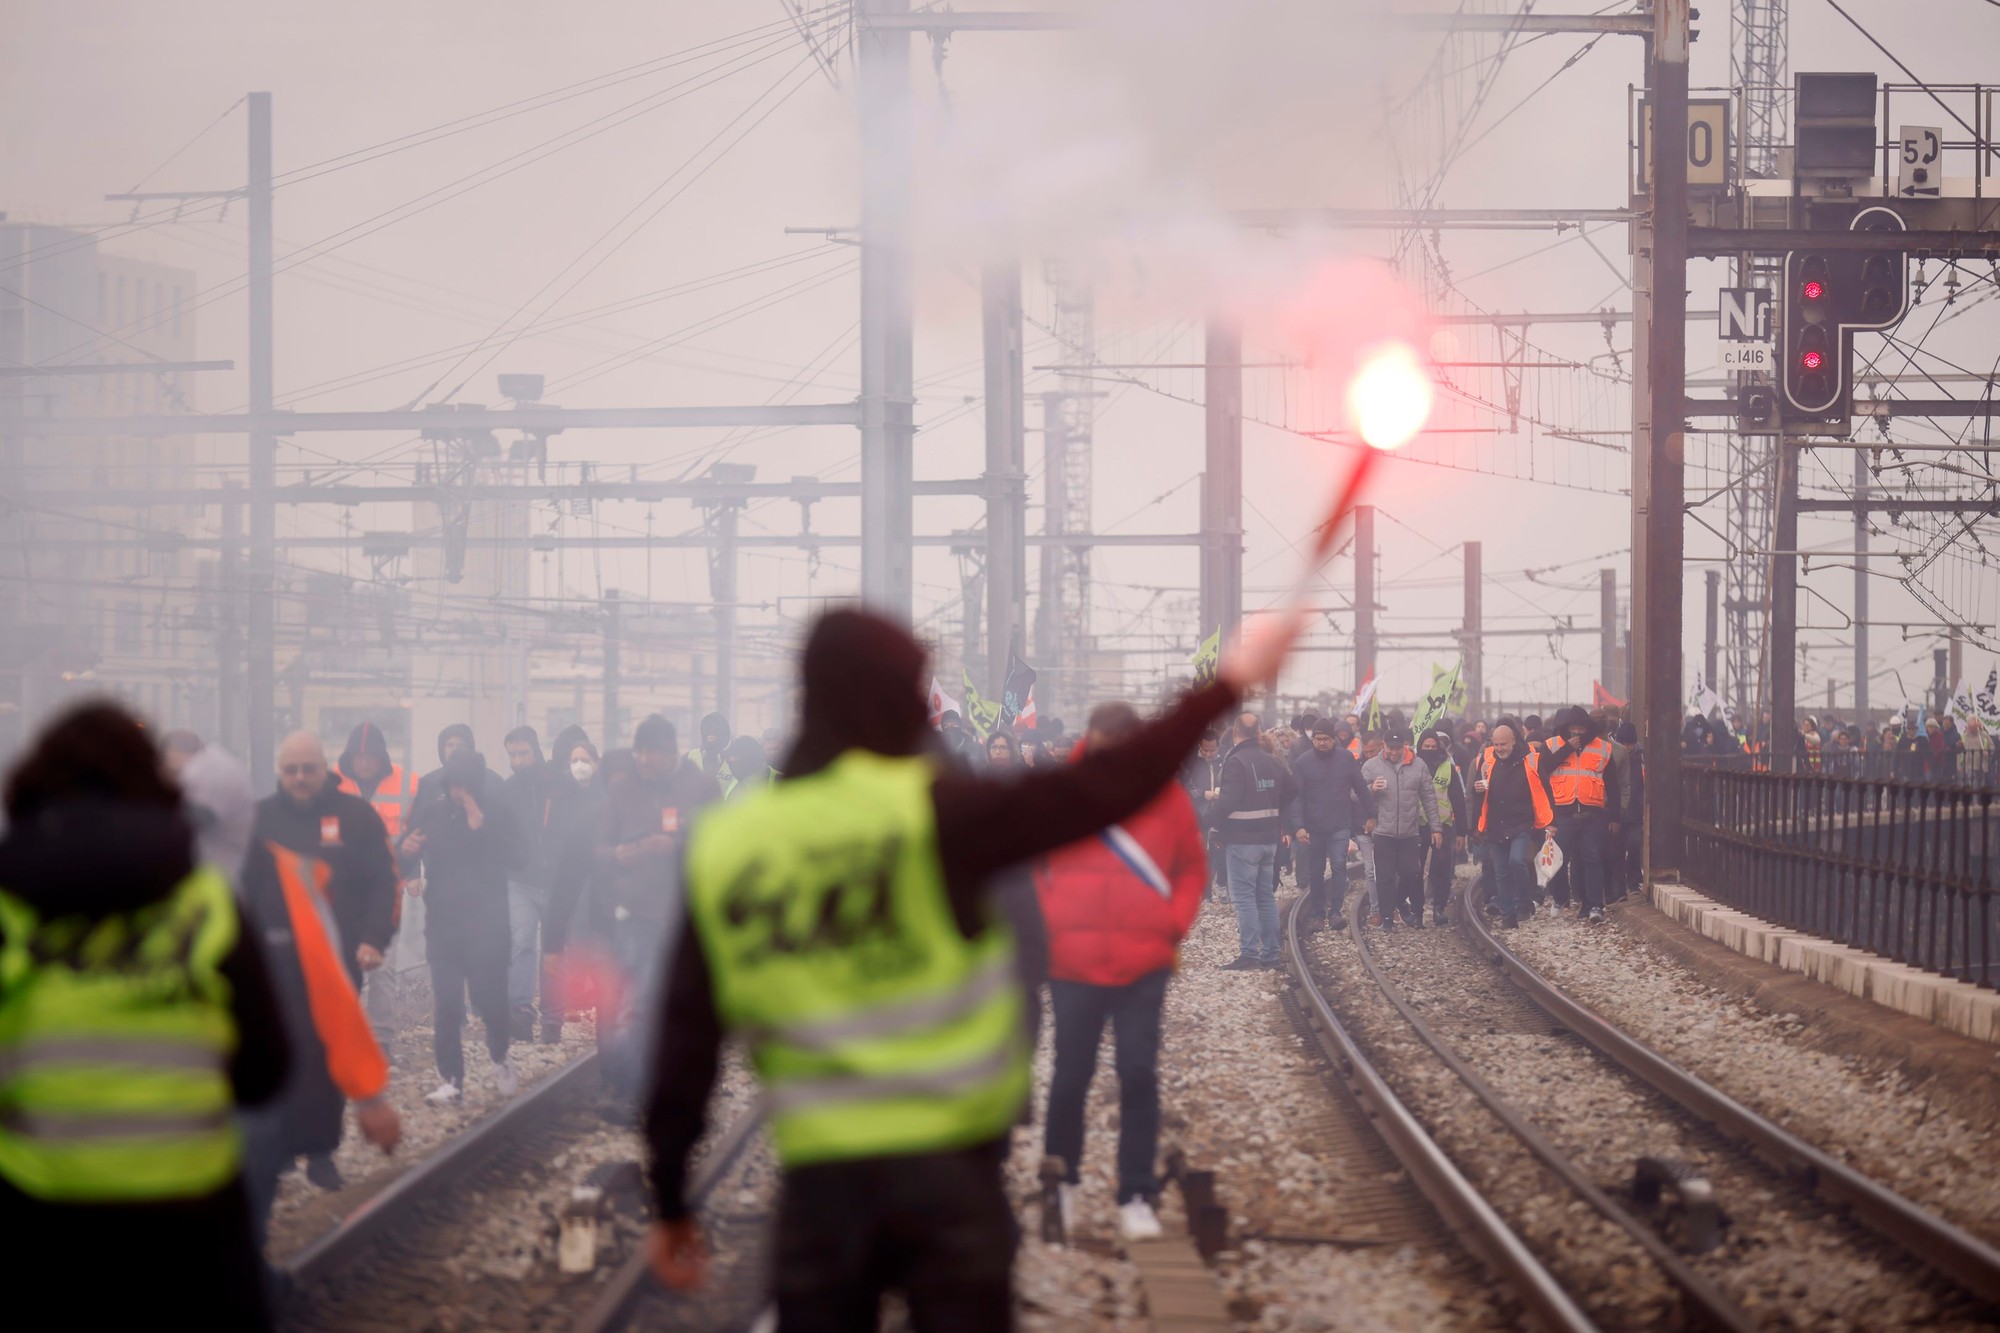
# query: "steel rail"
613,1306
438,1173
1936,1243
1704,1300
1464,1209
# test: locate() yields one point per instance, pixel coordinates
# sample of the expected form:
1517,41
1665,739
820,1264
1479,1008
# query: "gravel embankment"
303,1210
1236,1085
1865,1112
1596,1261
1786,1259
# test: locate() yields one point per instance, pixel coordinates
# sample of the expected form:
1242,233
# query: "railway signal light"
1830,296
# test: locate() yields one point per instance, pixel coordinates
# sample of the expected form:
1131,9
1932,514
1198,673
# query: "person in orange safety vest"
1513,813
1585,791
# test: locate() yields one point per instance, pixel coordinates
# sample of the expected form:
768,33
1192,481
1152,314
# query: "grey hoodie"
1408,796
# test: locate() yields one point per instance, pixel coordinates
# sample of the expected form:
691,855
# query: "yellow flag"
1208,658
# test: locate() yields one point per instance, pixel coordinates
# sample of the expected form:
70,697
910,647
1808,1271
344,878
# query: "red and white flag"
942,703
1026,720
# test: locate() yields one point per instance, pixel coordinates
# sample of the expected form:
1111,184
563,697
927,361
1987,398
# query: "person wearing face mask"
575,804
1434,749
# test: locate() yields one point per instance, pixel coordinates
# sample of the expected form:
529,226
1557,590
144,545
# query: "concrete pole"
1711,643
262,701
1781,634
887,314
722,587
1607,627
1475,645
612,634
1006,471
229,712
1222,482
1861,587
1661,557
1364,592
1055,509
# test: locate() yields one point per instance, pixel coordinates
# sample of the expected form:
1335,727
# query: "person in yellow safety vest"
1585,793
136,1017
839,919
1434,749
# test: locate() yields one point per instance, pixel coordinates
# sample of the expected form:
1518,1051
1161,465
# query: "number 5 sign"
1707,144
1917,173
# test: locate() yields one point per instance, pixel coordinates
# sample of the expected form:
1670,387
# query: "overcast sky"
691,165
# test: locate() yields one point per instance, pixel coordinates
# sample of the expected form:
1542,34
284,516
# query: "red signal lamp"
1813,359
1813,290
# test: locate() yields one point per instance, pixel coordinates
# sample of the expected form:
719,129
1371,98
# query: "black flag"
1014,693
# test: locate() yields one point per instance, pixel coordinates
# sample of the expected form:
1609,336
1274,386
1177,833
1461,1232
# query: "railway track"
738,1238
466,1237
1755,1194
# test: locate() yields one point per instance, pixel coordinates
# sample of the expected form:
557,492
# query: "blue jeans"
527,904
1322,867
1510,871
1134,1012
1253,890
1582,841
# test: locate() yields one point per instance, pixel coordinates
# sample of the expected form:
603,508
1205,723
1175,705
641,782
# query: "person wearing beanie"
1406,807
839,919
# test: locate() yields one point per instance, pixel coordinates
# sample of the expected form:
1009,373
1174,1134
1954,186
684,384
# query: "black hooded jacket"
366,738
363,888
863,678
575,812
465,869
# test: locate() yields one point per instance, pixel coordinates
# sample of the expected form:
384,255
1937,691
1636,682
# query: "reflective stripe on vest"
1538,797
1579,778
114,1078
389,799
877,1028
353,1058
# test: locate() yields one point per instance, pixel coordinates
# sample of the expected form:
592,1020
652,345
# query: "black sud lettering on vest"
840,898
114,945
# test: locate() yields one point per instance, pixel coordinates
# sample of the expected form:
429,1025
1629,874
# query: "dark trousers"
934,1226
1438,866
467,954
1581,838
1323,872
1134,1011
1218,864
1399,870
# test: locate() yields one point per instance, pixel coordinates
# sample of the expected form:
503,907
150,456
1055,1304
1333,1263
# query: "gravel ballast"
1865,1112
1786,1260
1236,1085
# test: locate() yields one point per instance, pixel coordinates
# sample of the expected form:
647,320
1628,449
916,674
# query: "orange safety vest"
1538,795
1354,747
1579,778
388,800
353,1059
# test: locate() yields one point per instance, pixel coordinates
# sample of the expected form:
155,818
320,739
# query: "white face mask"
581,769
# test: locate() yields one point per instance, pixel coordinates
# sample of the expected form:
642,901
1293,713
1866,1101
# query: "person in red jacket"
1117,906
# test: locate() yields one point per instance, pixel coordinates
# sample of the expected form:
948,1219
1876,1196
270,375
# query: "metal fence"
1901,869
1960,768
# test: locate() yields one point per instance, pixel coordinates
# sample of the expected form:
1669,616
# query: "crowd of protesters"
1909,747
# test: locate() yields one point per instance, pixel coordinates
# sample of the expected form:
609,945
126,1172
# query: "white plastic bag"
1547,862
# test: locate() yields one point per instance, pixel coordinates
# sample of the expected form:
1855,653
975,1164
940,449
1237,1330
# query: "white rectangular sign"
1919,169
1747,356
1743,314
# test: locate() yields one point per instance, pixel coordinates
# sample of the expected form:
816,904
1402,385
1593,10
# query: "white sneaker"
1138,1221
504,1079
445,1094
1066,1205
